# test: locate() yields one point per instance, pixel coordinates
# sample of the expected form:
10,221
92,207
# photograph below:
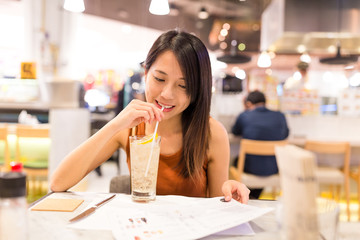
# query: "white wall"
12,37
108,44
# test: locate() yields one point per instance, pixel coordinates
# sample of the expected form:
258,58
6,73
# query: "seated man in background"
259,123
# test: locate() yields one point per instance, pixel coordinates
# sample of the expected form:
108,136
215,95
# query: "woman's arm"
218,168
219,156
99,147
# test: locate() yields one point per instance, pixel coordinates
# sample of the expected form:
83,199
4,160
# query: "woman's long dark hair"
194,61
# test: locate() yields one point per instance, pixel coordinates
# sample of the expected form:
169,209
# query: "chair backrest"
331,148
23,131
3,137
256,147
120,184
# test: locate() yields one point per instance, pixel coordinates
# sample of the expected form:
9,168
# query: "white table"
45,225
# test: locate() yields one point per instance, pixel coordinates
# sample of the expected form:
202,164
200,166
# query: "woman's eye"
158,79
182,86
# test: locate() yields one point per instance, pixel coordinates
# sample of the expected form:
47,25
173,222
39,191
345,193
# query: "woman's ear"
145,74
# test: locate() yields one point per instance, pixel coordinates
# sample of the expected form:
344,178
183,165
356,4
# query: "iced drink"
143,186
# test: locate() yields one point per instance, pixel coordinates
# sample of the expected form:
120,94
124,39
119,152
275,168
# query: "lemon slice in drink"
148,139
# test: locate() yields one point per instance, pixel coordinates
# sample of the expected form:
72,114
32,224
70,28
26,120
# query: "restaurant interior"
61,71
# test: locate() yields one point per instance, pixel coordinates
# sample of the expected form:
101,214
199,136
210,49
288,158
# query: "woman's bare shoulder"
217,131
219,147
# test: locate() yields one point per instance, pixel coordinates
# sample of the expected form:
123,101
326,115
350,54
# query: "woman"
194,152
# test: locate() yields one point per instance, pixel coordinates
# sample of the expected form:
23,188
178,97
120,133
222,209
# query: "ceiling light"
264,60
305,57
121,13
224,32
242,46
223,45
203,14
241,74
74,5
226,26
355,80
301,48
297,76
159,7
349,67
221,38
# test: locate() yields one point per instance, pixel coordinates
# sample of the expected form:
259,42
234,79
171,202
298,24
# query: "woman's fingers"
153,112
227,190
158,114
243,193
137,112
236,190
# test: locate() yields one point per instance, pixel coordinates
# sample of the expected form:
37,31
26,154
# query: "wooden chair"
255,147
36,171
333,176
120,184
3,137
355,174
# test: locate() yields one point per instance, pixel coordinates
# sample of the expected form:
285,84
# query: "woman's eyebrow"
161,72
164,73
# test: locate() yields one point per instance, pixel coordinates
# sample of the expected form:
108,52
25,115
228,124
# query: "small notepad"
57,204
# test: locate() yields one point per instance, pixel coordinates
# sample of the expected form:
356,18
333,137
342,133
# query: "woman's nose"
167,92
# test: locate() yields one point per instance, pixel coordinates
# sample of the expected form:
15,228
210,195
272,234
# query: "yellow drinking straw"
152,146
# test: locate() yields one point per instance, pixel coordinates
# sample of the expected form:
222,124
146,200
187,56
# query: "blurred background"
74,65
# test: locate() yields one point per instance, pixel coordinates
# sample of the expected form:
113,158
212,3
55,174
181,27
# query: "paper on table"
243,229
99,222
122,202
169,217
57,204
196,220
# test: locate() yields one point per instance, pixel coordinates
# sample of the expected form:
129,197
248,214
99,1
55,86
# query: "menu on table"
169,217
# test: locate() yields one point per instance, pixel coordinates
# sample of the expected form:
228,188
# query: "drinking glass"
144,162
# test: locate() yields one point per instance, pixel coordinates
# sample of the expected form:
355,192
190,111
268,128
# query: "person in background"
259,123
194,151
299,81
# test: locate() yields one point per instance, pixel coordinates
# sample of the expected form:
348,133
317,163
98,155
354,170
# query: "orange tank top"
169,180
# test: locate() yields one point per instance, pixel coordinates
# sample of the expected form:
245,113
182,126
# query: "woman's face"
165,85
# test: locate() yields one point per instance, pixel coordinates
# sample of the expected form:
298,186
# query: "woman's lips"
167,108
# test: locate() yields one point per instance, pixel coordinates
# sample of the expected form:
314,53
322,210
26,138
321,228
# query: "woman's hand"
136,112
236,190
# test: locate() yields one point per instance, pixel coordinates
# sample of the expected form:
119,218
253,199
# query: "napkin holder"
300,188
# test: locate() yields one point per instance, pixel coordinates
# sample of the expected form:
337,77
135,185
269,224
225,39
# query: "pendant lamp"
339,59
234,57
264,60
203,14
159,7
74,5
